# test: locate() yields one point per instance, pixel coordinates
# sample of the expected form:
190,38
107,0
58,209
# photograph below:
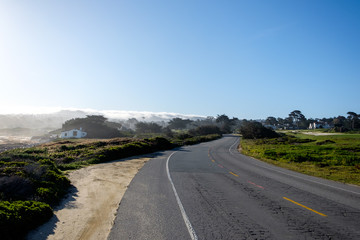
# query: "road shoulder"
88,212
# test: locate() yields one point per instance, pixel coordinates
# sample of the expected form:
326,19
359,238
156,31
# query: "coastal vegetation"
297,120
321,151
96,126
335,157
33,180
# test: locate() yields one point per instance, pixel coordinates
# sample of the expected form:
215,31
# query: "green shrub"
5,159
57,178
100,144
327,141
67,147
205,130
27,156
68,159
255,130
55,183
50,165
16,188
95,160
35,150
271,154
17,217
183,136
73,165
46,194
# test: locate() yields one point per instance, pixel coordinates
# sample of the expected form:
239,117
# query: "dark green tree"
96,126
178,123
131,123
298,118
225,123
271,121
255,130
340,124
144,127
235,124
205,130
280,121
202,122
289,121
353,119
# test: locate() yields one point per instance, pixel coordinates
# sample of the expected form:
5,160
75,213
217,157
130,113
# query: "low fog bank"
55,120
21,128
38,121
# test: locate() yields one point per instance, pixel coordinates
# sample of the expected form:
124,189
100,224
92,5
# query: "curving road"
210,191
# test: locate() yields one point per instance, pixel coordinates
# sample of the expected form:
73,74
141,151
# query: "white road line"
232,146
182,210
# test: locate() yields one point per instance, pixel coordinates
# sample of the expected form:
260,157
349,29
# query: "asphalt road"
210,191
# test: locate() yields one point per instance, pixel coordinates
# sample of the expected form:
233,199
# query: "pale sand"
89,212
320,133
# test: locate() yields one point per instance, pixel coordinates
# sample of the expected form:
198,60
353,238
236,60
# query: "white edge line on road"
292,175
182,210
232,146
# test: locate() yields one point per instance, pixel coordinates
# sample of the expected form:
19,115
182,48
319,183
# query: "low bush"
35,150
76,165
18,217
15,188
255,130
327,141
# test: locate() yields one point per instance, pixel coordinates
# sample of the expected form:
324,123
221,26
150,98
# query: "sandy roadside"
89,212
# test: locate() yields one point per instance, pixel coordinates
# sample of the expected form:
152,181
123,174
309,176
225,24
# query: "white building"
316,125
74,133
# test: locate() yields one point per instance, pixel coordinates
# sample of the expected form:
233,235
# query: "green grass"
335,157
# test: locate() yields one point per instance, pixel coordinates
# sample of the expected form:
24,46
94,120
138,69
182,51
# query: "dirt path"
89,212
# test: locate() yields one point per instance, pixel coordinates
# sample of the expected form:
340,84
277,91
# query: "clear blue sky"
248,59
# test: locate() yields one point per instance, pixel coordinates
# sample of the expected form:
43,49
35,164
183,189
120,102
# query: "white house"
74,133
316,125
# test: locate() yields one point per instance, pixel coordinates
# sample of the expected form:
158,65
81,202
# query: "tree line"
297,120
98,126
210,125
